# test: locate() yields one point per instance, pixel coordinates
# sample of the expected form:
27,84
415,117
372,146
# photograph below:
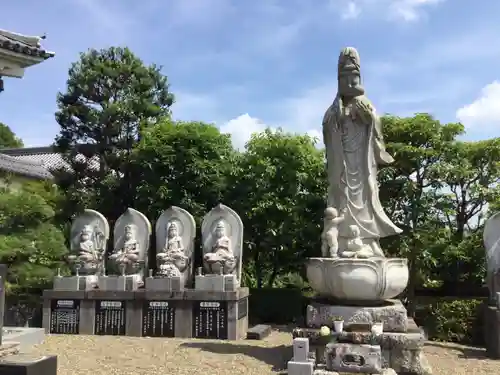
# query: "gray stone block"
300,349
344,357
300,368
27,337
392,314
168,284
128,283
26,364
259,332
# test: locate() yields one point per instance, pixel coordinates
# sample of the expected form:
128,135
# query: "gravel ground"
109,355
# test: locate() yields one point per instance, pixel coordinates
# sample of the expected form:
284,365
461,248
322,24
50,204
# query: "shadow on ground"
464,351
277,356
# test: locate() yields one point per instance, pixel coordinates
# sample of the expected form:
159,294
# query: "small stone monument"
222,237
491,238
175,234
354,281
89,238
126,263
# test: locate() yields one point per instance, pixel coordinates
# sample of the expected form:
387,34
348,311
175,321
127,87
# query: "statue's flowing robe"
354,147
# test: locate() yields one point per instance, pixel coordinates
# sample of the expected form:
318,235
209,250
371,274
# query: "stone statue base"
392,314
216,283
400,346
366,281
75,282
127,282
159,283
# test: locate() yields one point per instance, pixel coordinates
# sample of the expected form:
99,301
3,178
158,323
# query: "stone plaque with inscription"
210,320
242,308
110,318
65,316
158,319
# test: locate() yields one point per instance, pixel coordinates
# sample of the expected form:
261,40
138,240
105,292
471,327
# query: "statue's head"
354,229
86,233
220,229
172,231
349,73
129,232
330,213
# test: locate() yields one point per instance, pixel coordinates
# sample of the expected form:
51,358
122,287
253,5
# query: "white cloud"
483,112
405,10
351,11
241,129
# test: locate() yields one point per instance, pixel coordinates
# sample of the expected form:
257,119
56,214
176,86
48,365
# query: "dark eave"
17,46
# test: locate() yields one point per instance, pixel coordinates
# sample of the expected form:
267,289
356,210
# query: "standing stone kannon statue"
131,236
89,237
175,235
222,236
355,220
354,146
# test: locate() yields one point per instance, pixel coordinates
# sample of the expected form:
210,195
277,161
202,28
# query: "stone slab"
72,283
9,348
344,357
64,294
26,364
169,284
27,337
300,368
216,283
393,314
120,283
491,331
321,370
388,340
259,332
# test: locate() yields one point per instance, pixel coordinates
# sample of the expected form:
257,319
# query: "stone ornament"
222,237
131,236
89,238
175,234
491,239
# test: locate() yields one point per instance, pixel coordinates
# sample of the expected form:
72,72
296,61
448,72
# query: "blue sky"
248,64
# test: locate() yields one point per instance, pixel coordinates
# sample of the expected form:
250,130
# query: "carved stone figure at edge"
175,233
491,239
222,237
172,254
131,243
354,146
221,257
329,237
89,236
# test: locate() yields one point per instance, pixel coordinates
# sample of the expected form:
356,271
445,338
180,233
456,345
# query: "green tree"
8,139
408,190
185,164
111,96
470,172
30,243
279,190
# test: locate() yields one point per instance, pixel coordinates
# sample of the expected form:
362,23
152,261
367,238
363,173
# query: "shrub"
454,321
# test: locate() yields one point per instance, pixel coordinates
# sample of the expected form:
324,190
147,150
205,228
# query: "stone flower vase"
338,325
377,328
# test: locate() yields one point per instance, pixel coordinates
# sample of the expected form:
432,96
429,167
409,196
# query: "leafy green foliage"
278,189
30,243
111,96
184,164
8,139
454,321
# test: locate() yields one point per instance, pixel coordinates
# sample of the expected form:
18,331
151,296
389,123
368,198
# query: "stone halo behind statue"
353,267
